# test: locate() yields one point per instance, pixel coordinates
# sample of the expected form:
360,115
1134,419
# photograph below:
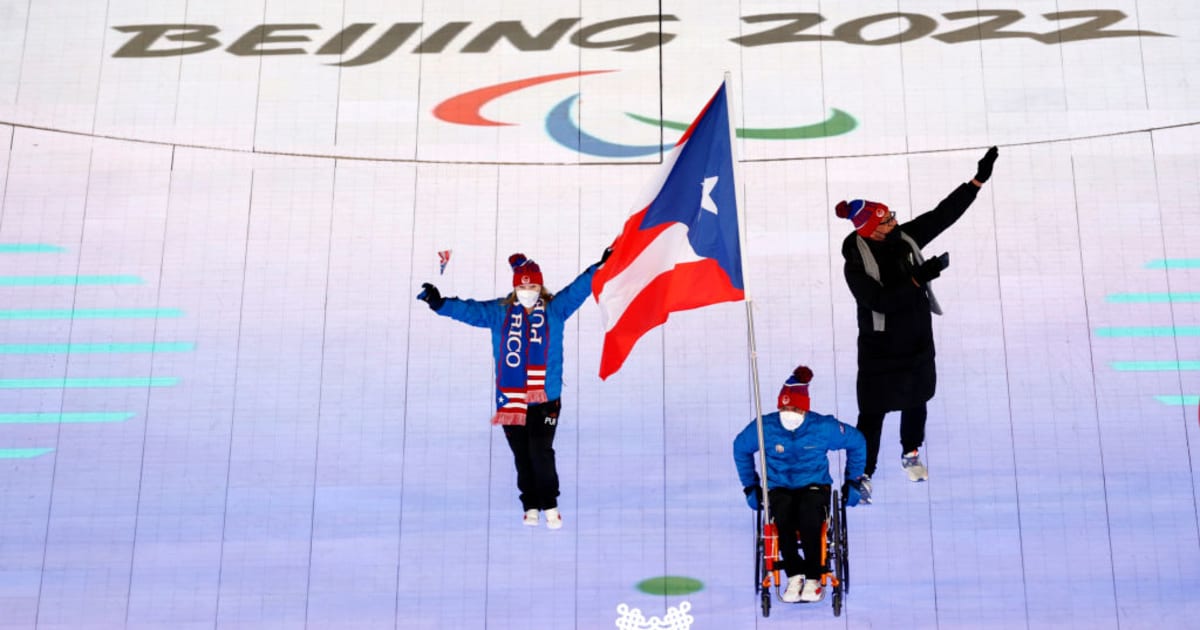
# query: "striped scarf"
521,368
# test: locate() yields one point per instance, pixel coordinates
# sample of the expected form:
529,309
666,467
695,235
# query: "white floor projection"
221,405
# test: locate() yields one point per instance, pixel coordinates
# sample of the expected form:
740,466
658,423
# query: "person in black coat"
890,280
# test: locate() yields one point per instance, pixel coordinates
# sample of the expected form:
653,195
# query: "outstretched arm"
489,314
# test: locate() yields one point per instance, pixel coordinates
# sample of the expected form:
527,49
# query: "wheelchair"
834,556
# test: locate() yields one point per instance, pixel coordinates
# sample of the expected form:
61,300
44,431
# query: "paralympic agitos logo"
464,109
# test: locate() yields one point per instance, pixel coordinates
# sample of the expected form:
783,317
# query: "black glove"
985,165
431,296
605,255
931,268
753,496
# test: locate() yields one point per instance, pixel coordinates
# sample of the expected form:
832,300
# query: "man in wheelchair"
796,441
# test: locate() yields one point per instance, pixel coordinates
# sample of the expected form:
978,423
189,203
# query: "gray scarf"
872,268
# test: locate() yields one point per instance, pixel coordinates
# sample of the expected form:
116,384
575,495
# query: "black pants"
533,452
801,511
912,431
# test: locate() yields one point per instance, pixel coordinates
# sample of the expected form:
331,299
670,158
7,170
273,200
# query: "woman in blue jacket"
527,332
798,480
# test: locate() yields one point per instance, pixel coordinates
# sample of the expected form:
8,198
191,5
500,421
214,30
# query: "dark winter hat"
525,271
865,215
795,389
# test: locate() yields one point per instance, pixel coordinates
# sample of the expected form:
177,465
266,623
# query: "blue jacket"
490,314
796,459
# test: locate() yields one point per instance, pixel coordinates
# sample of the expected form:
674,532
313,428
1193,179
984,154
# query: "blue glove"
853,496
857,492
753,496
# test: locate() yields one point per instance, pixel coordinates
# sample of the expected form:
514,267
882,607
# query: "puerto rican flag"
680,249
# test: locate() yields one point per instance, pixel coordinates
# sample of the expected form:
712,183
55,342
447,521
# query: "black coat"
896,366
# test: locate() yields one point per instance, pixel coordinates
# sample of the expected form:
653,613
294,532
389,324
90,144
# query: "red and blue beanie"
795,389
865,215
525,271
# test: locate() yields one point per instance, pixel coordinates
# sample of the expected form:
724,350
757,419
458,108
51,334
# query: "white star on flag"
706,200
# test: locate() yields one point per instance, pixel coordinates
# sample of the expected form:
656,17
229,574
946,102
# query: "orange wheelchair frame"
833,556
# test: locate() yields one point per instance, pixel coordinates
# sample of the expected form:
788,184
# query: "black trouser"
912,431
801,511
533,452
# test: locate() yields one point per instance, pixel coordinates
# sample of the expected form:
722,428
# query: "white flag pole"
741,197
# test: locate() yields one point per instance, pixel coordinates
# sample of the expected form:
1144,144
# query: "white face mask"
528,298
791,419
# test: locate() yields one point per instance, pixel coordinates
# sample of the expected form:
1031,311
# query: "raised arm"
929,225
572,296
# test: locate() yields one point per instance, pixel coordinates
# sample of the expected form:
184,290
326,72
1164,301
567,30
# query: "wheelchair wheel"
837,553
760,568
758,552
843,540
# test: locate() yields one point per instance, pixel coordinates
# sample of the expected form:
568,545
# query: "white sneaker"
791,594
911,461
553,519
531,518
812,591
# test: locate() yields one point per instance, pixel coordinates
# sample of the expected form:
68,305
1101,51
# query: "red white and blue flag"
680,249
443,260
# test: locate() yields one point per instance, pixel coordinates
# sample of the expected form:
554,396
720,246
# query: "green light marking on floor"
1153,298
91,313
29,248
22,453
1155,366
1174,263
1149,331
1178,400
56,281
670,585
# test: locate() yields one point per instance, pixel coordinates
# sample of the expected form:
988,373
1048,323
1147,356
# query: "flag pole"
762,451
742,220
